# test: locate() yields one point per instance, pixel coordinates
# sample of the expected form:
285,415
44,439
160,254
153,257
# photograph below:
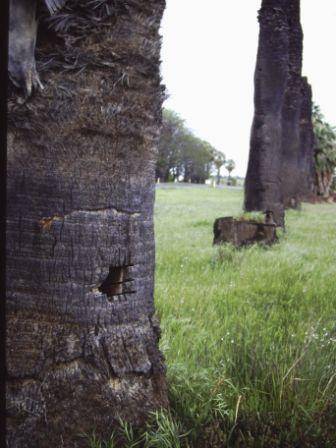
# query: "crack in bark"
125,349
106,356
103,210
47,222
54,244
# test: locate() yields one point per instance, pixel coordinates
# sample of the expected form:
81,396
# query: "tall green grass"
249,335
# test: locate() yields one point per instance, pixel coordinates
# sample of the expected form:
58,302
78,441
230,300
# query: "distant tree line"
187,158
184,156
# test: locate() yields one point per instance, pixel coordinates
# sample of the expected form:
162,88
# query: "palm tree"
218,160
230,166
82,344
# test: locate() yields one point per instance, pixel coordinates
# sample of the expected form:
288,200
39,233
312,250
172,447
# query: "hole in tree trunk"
116,282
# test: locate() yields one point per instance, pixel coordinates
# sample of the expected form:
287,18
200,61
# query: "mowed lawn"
249,335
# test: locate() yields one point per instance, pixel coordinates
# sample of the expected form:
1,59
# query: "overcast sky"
208,58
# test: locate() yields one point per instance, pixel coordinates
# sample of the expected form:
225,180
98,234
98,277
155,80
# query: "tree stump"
243,232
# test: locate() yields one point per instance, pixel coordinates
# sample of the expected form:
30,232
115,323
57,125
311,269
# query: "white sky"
208,58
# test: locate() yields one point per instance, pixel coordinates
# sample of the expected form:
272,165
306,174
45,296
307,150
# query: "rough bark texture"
82,345
307,171
243,233
280,170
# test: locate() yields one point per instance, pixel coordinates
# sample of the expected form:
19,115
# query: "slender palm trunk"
82,345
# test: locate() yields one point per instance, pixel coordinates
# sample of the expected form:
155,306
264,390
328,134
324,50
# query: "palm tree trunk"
297,171
262,184
218,176
306,180
82,344
281,151
324,182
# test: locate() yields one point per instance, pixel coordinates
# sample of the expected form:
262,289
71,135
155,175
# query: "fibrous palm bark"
297,170
280,170
82,343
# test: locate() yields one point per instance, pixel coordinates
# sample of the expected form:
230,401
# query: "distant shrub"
233,182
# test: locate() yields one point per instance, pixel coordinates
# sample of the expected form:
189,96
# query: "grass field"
249,335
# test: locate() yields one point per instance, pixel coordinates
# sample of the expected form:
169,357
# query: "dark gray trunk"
297,174
281,148
307,170
82,345
262,184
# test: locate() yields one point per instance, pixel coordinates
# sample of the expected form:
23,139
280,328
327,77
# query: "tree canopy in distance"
183,156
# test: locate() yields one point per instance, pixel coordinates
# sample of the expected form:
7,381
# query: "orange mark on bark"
46,223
